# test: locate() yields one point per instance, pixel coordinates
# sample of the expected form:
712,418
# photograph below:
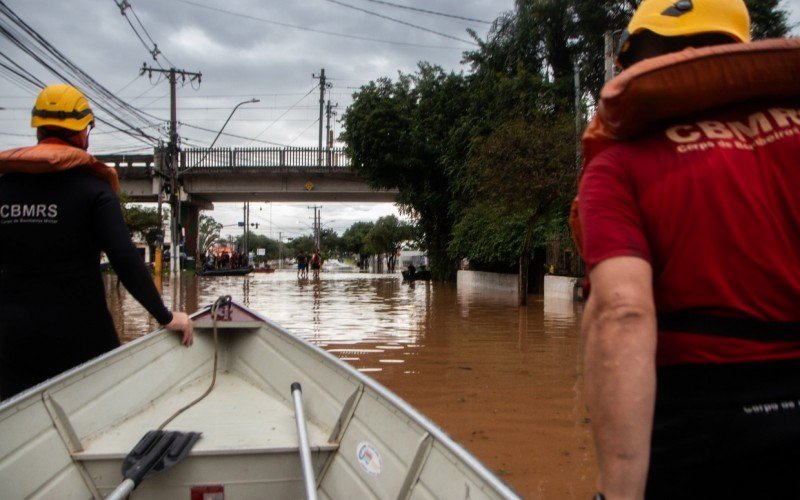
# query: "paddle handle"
305,446
122,491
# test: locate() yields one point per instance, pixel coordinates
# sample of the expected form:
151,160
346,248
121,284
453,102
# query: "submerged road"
503,381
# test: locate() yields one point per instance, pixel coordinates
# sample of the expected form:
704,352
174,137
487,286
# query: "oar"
156,452
305,446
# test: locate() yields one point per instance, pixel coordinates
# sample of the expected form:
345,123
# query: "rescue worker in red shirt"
59,206
691,237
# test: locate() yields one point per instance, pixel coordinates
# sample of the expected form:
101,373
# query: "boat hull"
239,271
417,276
67,437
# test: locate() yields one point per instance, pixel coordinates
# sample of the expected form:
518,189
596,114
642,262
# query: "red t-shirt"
712,202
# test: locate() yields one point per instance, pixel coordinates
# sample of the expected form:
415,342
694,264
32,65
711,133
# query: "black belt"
744,328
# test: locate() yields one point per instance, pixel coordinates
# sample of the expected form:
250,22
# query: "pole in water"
304,445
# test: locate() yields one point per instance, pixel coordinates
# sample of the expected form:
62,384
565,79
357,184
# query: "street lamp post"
176,217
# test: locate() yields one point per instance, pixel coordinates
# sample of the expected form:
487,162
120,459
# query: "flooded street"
503,381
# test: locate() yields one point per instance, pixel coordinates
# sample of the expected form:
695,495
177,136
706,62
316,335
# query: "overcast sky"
263,49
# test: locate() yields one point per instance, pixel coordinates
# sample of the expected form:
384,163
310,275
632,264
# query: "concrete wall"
489,281
555,287
561,287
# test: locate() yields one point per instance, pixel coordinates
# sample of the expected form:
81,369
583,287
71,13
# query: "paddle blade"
156,452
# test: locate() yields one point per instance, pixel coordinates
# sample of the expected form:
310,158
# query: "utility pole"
329,111
173,149
317,224
323,84
245,214
608,45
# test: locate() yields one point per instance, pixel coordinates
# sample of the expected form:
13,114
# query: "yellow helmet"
61,105
689,17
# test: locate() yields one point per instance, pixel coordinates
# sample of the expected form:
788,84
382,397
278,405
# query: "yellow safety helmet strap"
61,115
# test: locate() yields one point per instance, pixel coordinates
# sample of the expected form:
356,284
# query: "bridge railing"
200,158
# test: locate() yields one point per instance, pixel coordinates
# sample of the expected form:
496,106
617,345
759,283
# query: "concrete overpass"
248,174
213,175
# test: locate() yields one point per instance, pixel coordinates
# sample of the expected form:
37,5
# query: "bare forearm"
620,389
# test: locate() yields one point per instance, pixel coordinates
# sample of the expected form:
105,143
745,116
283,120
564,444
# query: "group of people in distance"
304,262
225,260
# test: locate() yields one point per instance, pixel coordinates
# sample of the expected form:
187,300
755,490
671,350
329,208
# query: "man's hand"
619,328
181,323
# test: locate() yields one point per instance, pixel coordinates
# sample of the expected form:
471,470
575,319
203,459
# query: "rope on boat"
222,301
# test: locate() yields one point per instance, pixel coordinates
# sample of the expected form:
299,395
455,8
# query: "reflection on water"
502,380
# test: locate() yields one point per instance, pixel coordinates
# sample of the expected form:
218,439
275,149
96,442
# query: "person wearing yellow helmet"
62,111
59,206
690,235
665,26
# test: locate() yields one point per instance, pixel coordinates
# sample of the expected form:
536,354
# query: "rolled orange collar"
681,83
53,155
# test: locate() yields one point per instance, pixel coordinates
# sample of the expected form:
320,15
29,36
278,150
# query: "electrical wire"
430,12
286,112
40,50
337,2
124,6
250,17
231,135
304,131
20,71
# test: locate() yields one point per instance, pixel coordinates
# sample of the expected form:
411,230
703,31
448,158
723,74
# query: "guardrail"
202,158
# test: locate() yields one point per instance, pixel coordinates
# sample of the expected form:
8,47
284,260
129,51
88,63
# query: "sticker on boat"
369,458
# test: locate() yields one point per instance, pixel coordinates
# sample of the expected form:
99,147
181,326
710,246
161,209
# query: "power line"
40,50
20,71
430,12
124,6
250,17
287,111
304,131
184,124
401,22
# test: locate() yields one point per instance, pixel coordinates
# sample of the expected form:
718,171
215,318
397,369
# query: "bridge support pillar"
189,221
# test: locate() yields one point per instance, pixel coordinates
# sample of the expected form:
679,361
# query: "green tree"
520,174
330,243
386,236
398,135
142,222
354,241
768,19
301,244
209,232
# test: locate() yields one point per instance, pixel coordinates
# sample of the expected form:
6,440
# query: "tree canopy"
485,162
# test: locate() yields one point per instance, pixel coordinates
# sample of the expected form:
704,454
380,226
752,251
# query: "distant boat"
266,269
423,275
237,271
69,436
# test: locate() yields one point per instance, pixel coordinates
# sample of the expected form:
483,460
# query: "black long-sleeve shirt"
53,313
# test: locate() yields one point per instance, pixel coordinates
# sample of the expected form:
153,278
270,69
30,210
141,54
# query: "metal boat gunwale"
160,335
424,422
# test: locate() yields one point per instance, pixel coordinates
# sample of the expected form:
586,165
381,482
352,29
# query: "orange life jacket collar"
55,155
681,83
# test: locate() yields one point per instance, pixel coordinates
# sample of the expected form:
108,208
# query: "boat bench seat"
235,418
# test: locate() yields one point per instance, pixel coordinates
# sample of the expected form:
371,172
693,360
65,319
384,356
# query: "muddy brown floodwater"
503,381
